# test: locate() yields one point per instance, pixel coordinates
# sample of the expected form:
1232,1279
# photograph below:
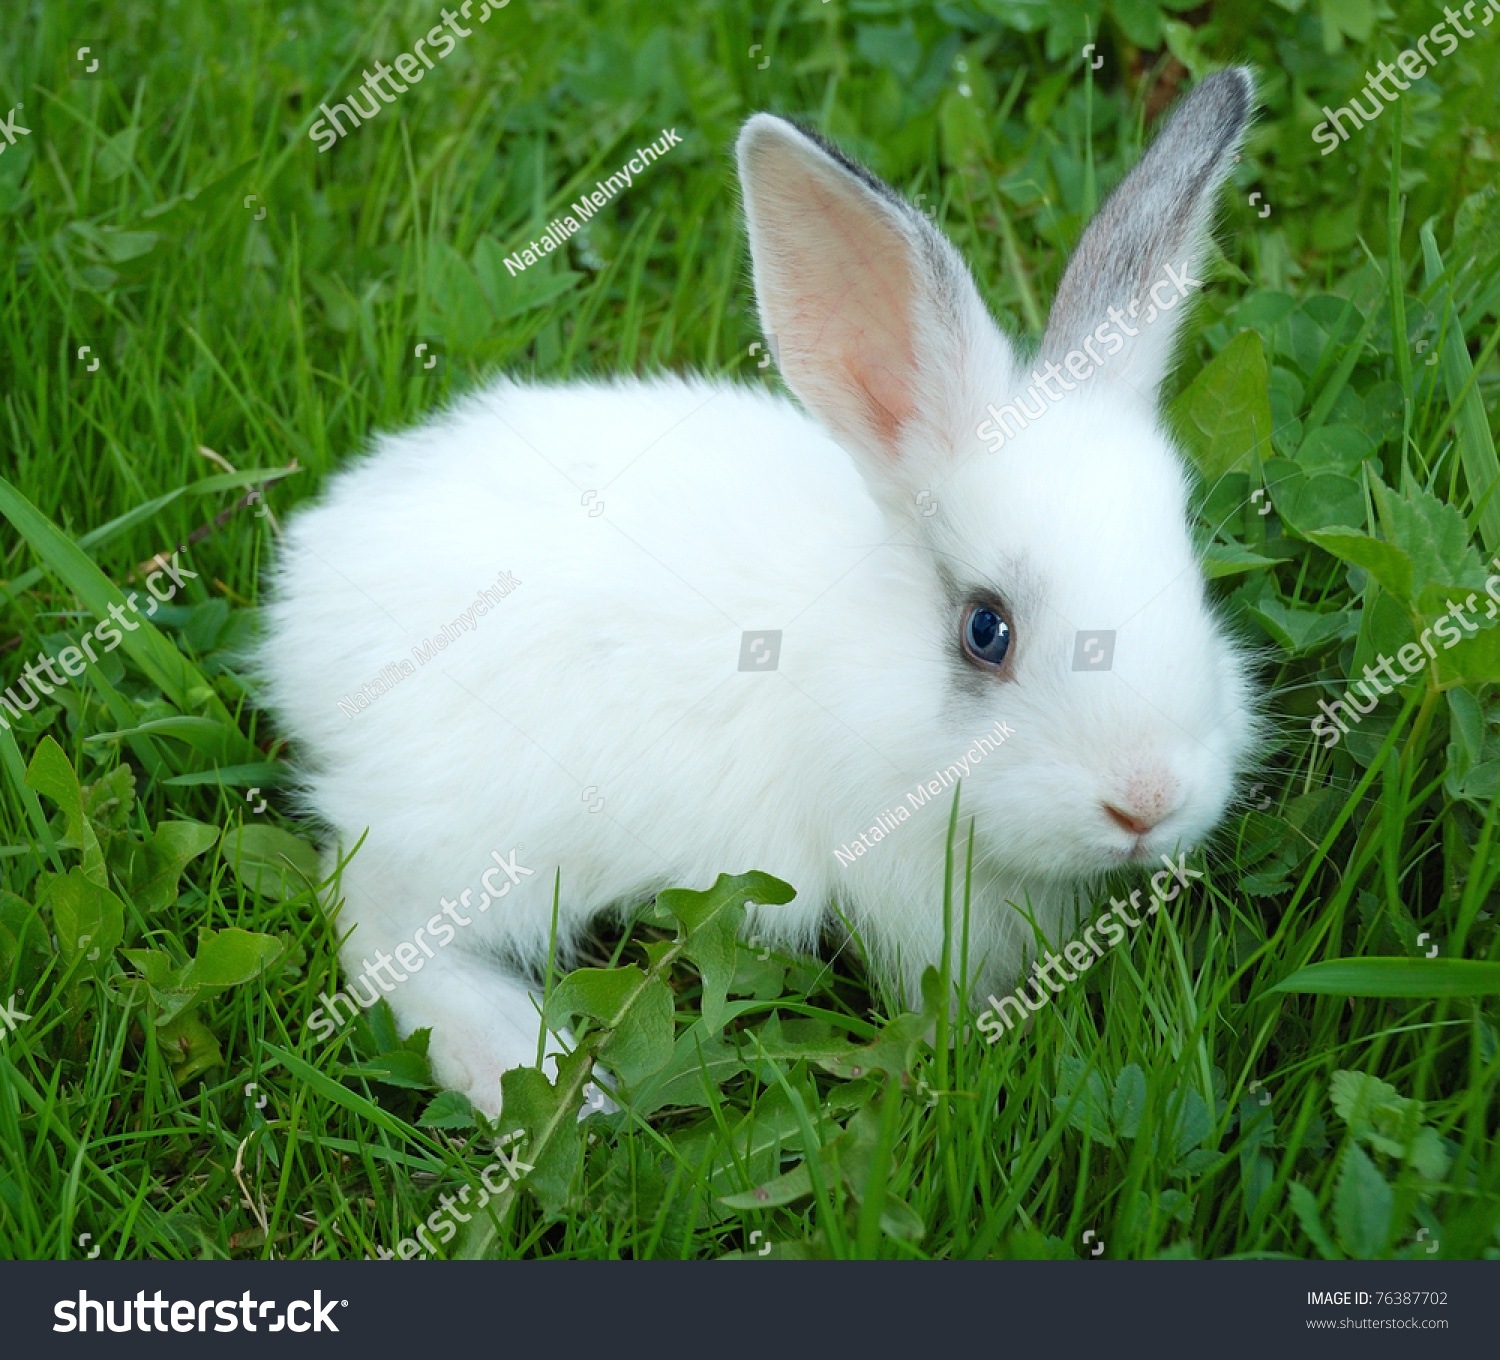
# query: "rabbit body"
597,722
613,666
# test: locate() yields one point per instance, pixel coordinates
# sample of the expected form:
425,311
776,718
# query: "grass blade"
1396,977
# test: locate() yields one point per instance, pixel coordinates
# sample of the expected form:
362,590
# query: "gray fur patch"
1158,214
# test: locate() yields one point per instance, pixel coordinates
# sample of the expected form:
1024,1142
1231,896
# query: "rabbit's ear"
1140,252
873,318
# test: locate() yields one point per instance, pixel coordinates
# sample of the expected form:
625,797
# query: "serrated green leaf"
891,1052
375,1028
548,1115
793,1040
713,920
1433,536
1387,563
1390,1122
448,1110
635,1008
850,1155
753,1149
1305,1206
399,1067
1428,1155
600,993
641,1043
1357,1095
1362,1204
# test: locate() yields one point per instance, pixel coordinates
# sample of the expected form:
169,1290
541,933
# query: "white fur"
614,664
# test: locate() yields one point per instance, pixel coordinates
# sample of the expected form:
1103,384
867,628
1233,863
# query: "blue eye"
986,635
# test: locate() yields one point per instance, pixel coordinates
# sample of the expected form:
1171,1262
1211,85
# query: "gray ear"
1139,254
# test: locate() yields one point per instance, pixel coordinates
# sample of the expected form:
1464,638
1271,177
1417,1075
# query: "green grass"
1361,392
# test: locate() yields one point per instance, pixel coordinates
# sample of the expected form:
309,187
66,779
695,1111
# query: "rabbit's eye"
986,635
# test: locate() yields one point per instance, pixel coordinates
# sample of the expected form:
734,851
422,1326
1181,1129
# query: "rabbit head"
1045,493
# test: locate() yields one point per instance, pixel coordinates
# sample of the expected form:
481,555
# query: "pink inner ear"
872,319
842,291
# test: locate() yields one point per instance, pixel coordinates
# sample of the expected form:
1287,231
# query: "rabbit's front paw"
484,1023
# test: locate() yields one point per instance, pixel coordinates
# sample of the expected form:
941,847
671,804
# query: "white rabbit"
597,719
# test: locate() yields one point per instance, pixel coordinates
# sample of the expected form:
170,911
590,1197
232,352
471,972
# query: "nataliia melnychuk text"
890,819
559,229
393,674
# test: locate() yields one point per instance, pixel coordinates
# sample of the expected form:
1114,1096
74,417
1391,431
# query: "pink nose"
1136,826
1146,799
